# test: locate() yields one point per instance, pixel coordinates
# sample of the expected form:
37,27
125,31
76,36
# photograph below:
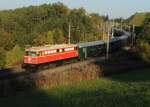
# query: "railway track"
14,75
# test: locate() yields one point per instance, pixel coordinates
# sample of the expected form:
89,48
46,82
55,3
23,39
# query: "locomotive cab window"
28,53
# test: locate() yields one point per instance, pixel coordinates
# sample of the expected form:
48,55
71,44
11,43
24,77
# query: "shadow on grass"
89,93
76,98
141,75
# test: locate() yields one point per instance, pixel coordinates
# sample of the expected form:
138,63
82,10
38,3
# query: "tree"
145,32
5,39
40,40
49,37
144,40
58,36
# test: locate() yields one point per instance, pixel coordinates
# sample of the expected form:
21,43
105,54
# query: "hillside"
137,19
124,90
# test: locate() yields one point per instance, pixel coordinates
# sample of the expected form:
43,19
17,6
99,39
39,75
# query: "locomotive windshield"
29,53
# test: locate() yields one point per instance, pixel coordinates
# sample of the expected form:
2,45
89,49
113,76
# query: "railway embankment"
70,74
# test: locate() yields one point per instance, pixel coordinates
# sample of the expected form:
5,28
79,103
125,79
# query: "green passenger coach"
89,49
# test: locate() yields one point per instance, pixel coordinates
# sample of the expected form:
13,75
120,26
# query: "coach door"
85,52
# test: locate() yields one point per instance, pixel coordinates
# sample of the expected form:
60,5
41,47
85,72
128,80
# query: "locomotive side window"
49,52
57,50
45,52
38,53
60,50
70,49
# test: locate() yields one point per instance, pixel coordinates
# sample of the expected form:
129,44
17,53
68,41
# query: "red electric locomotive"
49,53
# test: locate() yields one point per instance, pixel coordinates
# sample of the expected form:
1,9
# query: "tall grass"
69,76
50,79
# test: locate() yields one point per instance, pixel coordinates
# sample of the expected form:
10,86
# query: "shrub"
13,56
2,57
144,50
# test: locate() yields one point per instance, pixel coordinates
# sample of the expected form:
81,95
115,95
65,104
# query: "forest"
44,24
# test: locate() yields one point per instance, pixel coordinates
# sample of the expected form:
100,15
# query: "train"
55,54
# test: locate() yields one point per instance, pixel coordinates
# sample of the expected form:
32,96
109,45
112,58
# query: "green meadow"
131,89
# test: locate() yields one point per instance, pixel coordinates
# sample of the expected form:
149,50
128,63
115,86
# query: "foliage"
144,51
2,57
58,36
144,39
49,37
13,56
5,39
40,40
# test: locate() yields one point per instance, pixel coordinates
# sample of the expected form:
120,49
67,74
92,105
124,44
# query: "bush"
2,57
14,56
144,50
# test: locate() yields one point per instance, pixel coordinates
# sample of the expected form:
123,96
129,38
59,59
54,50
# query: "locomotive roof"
50,47
93,43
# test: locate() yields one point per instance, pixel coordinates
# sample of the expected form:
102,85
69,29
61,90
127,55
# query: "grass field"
131,89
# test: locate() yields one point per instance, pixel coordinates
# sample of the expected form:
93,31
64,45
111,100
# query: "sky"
113,8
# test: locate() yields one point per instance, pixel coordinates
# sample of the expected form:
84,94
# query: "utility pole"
113,29
102,29
107,53
121,24
133,30
69,32
129,28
